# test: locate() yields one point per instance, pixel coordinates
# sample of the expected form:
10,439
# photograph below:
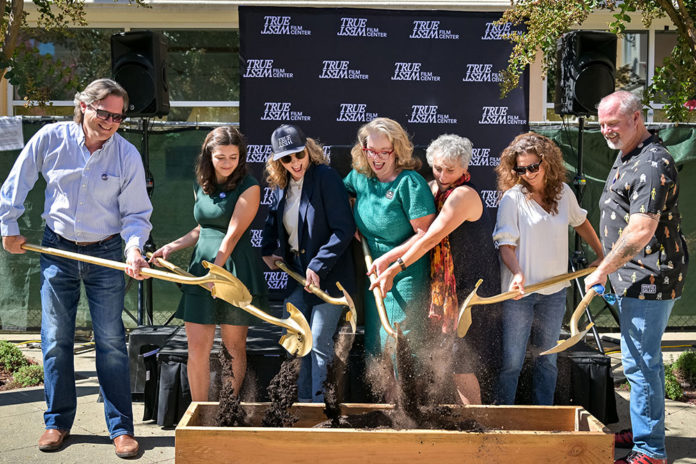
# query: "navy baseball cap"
287,139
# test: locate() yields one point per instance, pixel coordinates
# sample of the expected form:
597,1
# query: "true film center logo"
482,157
327,152
267,196
355,112
499,115
281,111
428,114
258,153
357,27
431,30
339,69
276,280
481,72
261,68
498,31
256,238
491,198
280,25
404,71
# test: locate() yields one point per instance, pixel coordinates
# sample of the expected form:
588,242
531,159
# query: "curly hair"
450,147
277,175
205,172
403,148
554,169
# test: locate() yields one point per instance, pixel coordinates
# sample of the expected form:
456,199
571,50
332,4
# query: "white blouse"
540,238
291,214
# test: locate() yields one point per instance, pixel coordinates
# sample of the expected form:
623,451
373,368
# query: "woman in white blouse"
531,233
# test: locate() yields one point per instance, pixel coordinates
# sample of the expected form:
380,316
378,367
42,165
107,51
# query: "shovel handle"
100,262
577,314
381,309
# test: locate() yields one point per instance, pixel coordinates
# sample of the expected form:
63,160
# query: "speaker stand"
145,307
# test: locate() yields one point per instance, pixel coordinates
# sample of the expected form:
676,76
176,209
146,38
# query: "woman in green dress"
226,202
393,204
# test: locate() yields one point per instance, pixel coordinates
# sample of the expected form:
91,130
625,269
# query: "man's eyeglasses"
377,154
532,168
105,115
288,158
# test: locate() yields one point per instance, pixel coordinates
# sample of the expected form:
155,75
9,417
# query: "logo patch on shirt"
390,194
648,288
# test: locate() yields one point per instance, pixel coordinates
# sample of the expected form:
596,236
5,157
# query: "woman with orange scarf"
461,252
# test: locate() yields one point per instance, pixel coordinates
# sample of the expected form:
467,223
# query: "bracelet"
401,263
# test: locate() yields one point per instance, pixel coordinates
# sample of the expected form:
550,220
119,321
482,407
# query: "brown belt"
90,243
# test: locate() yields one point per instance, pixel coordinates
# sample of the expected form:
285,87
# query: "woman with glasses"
532,236
461,252
393,204
226,202
309,226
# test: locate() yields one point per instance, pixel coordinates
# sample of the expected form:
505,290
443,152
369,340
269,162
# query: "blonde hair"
277,175
554,169
403,148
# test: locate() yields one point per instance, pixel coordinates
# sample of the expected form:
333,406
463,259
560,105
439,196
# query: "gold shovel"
298,340
575,335
464,319
381,309
352,315
227,287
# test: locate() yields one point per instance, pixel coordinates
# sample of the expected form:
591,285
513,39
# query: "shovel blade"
565,344
298,339
464,319
227,287
352,315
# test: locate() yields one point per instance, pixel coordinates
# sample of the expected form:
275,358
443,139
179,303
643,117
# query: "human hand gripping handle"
13,244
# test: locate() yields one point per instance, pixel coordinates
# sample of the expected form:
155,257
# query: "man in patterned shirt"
645,258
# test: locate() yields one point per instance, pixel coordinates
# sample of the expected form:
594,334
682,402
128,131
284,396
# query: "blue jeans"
60,293
541,317
323,320
643,323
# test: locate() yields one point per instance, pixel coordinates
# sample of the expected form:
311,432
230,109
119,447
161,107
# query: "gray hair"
96,91
451,148
629,102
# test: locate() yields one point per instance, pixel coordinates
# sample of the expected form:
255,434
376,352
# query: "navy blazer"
325,229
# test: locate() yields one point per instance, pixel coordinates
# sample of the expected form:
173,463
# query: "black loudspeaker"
138,63
585,69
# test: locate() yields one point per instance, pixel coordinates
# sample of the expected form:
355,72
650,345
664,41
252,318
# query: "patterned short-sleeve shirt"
645,181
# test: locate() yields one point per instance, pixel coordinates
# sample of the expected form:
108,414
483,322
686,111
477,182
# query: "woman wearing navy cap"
309,226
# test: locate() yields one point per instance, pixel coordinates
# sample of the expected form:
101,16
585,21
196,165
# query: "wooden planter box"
523,434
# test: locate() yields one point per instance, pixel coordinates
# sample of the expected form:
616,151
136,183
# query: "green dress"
383,211
213,213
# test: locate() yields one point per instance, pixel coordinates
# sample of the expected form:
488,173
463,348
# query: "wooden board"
566,434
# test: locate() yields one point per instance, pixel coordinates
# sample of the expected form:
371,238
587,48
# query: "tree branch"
14,21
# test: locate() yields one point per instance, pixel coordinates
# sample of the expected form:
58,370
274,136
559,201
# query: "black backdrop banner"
329,71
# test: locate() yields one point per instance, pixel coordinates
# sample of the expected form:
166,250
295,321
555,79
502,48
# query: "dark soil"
6,380
433,418
230,412
283,392
333,385
688,388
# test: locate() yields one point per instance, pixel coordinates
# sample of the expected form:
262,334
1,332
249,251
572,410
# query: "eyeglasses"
377,154
532,168
105,115
288,158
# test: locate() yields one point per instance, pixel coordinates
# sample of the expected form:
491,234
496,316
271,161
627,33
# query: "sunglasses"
377,154
532,168
105,115
288,158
